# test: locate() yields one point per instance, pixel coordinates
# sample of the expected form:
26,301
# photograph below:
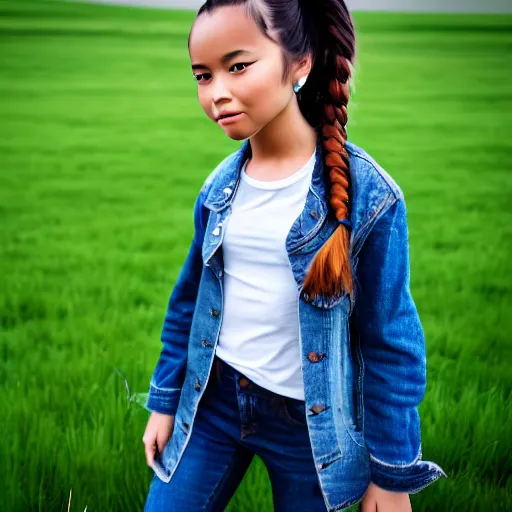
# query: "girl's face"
238,70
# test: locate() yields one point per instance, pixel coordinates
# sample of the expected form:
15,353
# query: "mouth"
229,118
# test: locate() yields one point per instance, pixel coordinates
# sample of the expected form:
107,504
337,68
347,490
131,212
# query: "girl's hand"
377,499
158,431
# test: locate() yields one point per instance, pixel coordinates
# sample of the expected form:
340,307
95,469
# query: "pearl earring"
297,85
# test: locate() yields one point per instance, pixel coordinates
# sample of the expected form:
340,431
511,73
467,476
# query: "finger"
368,506
160,442
162,438
150,450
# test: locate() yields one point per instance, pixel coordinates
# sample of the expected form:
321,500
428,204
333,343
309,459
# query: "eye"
205,75
246,64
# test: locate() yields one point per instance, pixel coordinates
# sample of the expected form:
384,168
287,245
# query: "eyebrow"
226,58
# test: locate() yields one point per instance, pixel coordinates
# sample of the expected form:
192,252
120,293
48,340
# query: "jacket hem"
410,478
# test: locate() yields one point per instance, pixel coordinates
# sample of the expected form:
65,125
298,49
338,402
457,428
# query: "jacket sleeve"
169,374
394,361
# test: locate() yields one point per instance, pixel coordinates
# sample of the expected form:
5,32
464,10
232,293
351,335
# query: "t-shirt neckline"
282,183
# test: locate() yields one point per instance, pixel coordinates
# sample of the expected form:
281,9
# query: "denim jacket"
363,361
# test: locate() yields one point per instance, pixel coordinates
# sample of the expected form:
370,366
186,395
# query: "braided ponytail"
330,273
324,30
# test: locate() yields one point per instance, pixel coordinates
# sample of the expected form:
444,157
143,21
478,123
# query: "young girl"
291,332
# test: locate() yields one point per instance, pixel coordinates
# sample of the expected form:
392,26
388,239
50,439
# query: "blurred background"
103,149
498,6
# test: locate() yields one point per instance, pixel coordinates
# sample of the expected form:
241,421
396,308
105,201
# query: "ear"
302,67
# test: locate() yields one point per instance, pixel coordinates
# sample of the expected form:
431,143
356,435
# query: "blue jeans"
236,418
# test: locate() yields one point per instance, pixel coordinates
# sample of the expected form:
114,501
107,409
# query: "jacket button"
243,382
315,357
216,231
197,385
214,312
205,343
314,214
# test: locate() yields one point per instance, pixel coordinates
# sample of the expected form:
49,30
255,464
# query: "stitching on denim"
365,229
153,385
301,242
220,481
207,185
409,464
161,473
398,193
431,479
361,379
159,400
293,419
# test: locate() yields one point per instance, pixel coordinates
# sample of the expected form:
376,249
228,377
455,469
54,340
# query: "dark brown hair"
324,30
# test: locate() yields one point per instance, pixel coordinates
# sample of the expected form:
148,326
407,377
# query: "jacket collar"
226,180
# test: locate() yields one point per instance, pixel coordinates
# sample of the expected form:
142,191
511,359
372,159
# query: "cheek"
205,101
265,95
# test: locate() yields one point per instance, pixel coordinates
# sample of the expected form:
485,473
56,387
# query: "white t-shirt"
259,335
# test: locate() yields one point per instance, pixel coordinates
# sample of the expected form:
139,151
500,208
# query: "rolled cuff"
410,478
163,400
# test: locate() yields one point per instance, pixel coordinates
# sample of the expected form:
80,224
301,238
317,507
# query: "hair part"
324,30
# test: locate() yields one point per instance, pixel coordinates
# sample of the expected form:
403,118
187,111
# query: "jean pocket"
295,411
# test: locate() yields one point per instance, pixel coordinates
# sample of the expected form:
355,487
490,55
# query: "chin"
237,135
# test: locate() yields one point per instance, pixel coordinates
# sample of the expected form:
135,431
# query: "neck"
287,140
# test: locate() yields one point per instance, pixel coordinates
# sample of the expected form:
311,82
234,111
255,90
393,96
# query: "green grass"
103,148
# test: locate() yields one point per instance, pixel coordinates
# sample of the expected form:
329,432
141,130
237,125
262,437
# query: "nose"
220,90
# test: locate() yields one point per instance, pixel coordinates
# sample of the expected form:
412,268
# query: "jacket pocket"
323,301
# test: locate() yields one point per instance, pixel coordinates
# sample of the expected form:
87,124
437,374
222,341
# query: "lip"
233,117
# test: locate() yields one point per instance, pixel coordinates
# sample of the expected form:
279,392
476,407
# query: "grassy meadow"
103,148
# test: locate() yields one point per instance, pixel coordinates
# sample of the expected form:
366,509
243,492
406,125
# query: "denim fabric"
363,361
235,420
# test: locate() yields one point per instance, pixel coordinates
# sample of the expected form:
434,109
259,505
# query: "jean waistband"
245,383
226,369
